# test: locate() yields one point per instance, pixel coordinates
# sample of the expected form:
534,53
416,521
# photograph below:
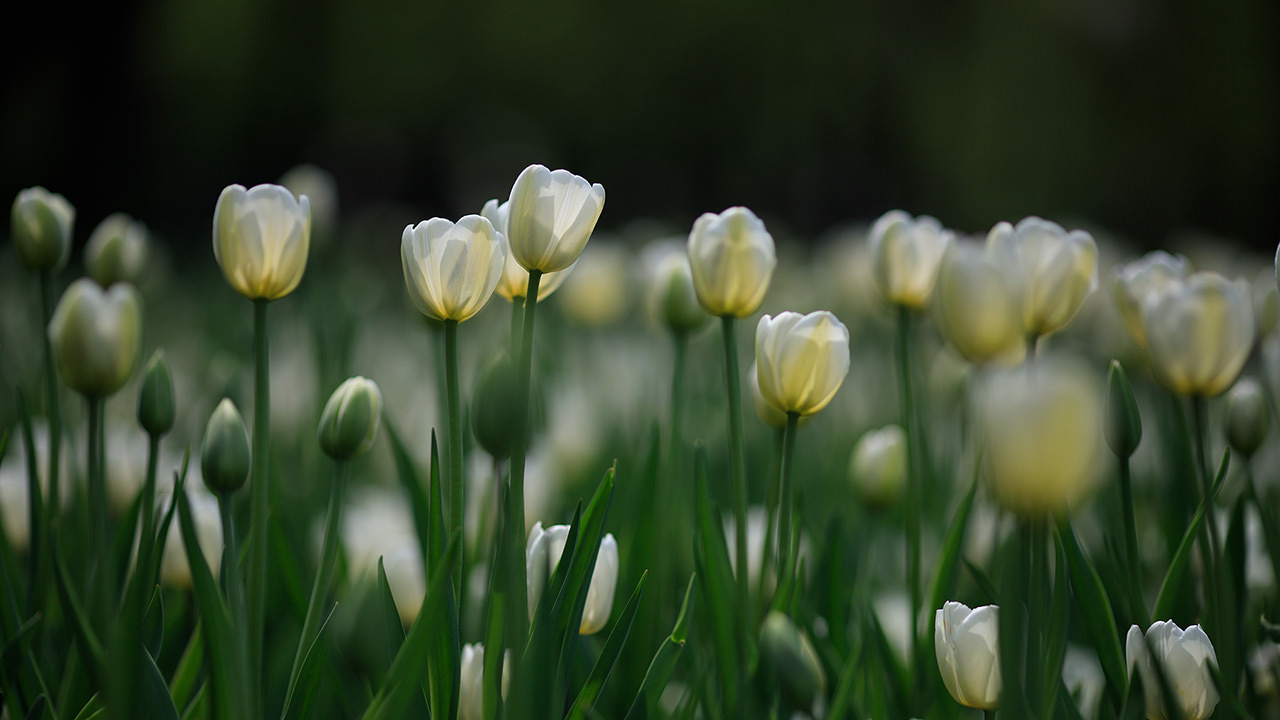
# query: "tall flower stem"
680,344
1265,516
517,315
147,543
98,504
457,506
914,485
53,409
259,498
772,500
520,593
787,552
1138,606
1206,479
737,470
235,586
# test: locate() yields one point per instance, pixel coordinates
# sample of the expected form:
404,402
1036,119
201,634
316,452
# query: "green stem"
53,408
230,559
1265,516
457,506
988,715
787,551
97,485
768,563
519,594
1211,533
517,314
680,342
1033,345
737,470
259,499
1138,604
146,543
914,481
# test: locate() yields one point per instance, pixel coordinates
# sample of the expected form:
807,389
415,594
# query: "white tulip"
451,269
1051,268
1142,279
906,252
551,217
514,283
977,304
801,360
1185,658
471,689
95,335
968,652
261,237
732,258
1199,333
542,554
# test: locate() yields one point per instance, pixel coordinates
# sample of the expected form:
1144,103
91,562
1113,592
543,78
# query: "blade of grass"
664,661
1178,566
1095,608
609,655
308,680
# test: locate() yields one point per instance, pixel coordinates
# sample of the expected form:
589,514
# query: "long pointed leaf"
1182,557
308,680
1095,607
711,558
609,655
664,661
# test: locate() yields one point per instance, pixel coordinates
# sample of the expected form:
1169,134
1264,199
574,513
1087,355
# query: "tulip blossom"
1199,333
471,688
514,283
350,420
1143,279
732,258
906,252
968,652
452,269
551,217
542,554
878,465
260,239
41,225
96,335
117,250
977,307
1052,270
1185,658
801,360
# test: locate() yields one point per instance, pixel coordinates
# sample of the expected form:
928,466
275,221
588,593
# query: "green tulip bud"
155,399
491,417
117,250
95,335
225,457
42,223
787,654
1122,425
674,301
1248,417
349,423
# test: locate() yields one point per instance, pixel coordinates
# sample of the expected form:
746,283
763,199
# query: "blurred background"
1145,117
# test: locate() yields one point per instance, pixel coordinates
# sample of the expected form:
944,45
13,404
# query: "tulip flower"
768,414
977,307
95,335
542,554
673,300
451,269
42,223
551,217
878,465
156,409
801,360
471,689
260,239
1185,658
732,258
514,283
117,250
600,292
905,253
1248,416
349,423
224,458
1143,279
1052,270
1199,333
968,652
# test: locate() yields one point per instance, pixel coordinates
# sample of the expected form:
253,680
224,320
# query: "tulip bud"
977,307
599,294
1248,416
349,423
551,217
787,655
1143,279
1185,659
1122,424
95,336
673,298
155,400
321,190
906,252
491,417
731,257
1199,333
117,250
878,465
768,414
1052,270
471,693
260,239
42,223
968,651
801,360
542,554
514,283
452,269
224,460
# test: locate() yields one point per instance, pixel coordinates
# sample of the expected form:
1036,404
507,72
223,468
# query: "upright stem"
680,343
787,552
1211,520
235,587
520,593
738,474
97,484
1265,516
53,409
457,506
517,314
259,499
146,543
914,489
1139,605
770,563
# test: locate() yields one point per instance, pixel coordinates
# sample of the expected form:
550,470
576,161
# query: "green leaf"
715,577
153,623
92,708
842,702
1182,557
153,699
664,661
609,655
986,588
394,631
944,577
1056,640
308,679
412,485
443,663
1095,607
183,683
37,708
152,574
81,629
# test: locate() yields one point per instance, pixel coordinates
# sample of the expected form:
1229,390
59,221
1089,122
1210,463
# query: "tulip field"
548,463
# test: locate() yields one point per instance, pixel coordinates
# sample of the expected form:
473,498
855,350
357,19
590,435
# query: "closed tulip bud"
968,650
1185,658
878,465
224,459
514,283
1199,333
1122,424
906,252
491,417
977,307
155,400
732,258
1052,270
349,423
95,335
42,223
261,237
1248,416
471,690
117,250
542,554
452,269
801,360
1141,280
1040,435
320,189
674,301
788,656
551,217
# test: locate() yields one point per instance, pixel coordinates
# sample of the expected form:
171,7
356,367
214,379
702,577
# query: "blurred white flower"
174,569
377,523
968,653
14,483
321,190
1185,658
878,465
977,308
1052,270
1083,678
1199,332
117,251
906,252
471,691
260,239
1142,279
599,293
542,555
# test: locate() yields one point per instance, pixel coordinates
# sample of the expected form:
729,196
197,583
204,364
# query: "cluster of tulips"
778,625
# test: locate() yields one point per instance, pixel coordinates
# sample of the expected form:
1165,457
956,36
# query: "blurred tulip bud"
599,293
95,336
156,407
977,307
224,459
673,299
42,223
261,237
452,269
1142,279
349,423
731,258
514,283
542,554
906,252
787,655
1200,333
1248,416
966,644
471,698
1051,269
117,251
494,423
878,466
551,217
1185,658
1041,436
1122,423
320,189
801,360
